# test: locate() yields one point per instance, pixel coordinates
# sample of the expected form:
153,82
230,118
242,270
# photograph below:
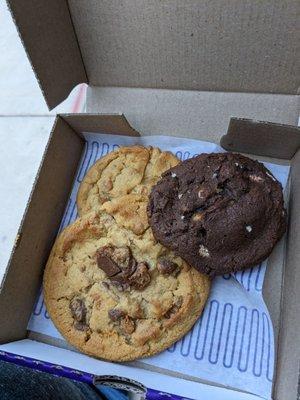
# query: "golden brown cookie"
113,291
133,169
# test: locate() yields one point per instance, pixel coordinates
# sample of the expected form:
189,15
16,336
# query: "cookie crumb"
249,228
203,251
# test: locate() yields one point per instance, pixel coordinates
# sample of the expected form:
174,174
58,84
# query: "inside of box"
45,210
190,113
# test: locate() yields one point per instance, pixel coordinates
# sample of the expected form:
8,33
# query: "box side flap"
262,138
104,123
238,46
37,231
46,30
287,381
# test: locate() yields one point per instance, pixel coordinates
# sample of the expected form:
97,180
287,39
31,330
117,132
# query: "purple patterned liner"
74,374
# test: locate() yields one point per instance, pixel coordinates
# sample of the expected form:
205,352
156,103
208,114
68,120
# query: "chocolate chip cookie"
113,291
133,169
219,212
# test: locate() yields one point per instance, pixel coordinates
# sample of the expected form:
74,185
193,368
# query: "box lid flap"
226,46
46,30
237,46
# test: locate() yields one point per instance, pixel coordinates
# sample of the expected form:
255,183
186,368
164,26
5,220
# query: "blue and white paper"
232,344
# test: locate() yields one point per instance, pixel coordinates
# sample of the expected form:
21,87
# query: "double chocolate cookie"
219,212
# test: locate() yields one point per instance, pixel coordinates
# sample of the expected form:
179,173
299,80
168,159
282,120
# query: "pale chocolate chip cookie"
132,169
114,292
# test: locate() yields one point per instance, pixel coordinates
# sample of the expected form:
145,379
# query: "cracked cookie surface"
221,212
118,295
132,169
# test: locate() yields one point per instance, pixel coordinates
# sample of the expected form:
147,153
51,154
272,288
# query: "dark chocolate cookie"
220,212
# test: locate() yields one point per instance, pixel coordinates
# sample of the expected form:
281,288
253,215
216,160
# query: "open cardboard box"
172,67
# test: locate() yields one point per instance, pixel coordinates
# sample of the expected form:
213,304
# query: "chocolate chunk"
78,310
141,277
81,326
175,307
166,266
116,260
106,262
121,286
127,325
115,314
122,268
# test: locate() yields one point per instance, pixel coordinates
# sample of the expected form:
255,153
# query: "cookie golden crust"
132,169
114,292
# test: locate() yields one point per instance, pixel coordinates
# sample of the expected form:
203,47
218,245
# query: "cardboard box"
172,67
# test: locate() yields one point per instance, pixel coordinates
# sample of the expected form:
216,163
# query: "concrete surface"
25,124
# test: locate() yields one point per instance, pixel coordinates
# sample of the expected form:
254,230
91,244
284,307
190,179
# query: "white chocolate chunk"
203,251
200,194
255,178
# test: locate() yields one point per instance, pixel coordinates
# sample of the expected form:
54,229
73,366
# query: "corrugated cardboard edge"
262,138
56,57
280,141
107,123
37,231
287,385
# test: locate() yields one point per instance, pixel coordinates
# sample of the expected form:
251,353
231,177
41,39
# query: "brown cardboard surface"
47,33
190,113
274,140
237,46
220,47
289,348
43,217
37,231
117,124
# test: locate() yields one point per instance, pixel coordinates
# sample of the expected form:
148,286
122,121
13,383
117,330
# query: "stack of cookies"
132,274
110,287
